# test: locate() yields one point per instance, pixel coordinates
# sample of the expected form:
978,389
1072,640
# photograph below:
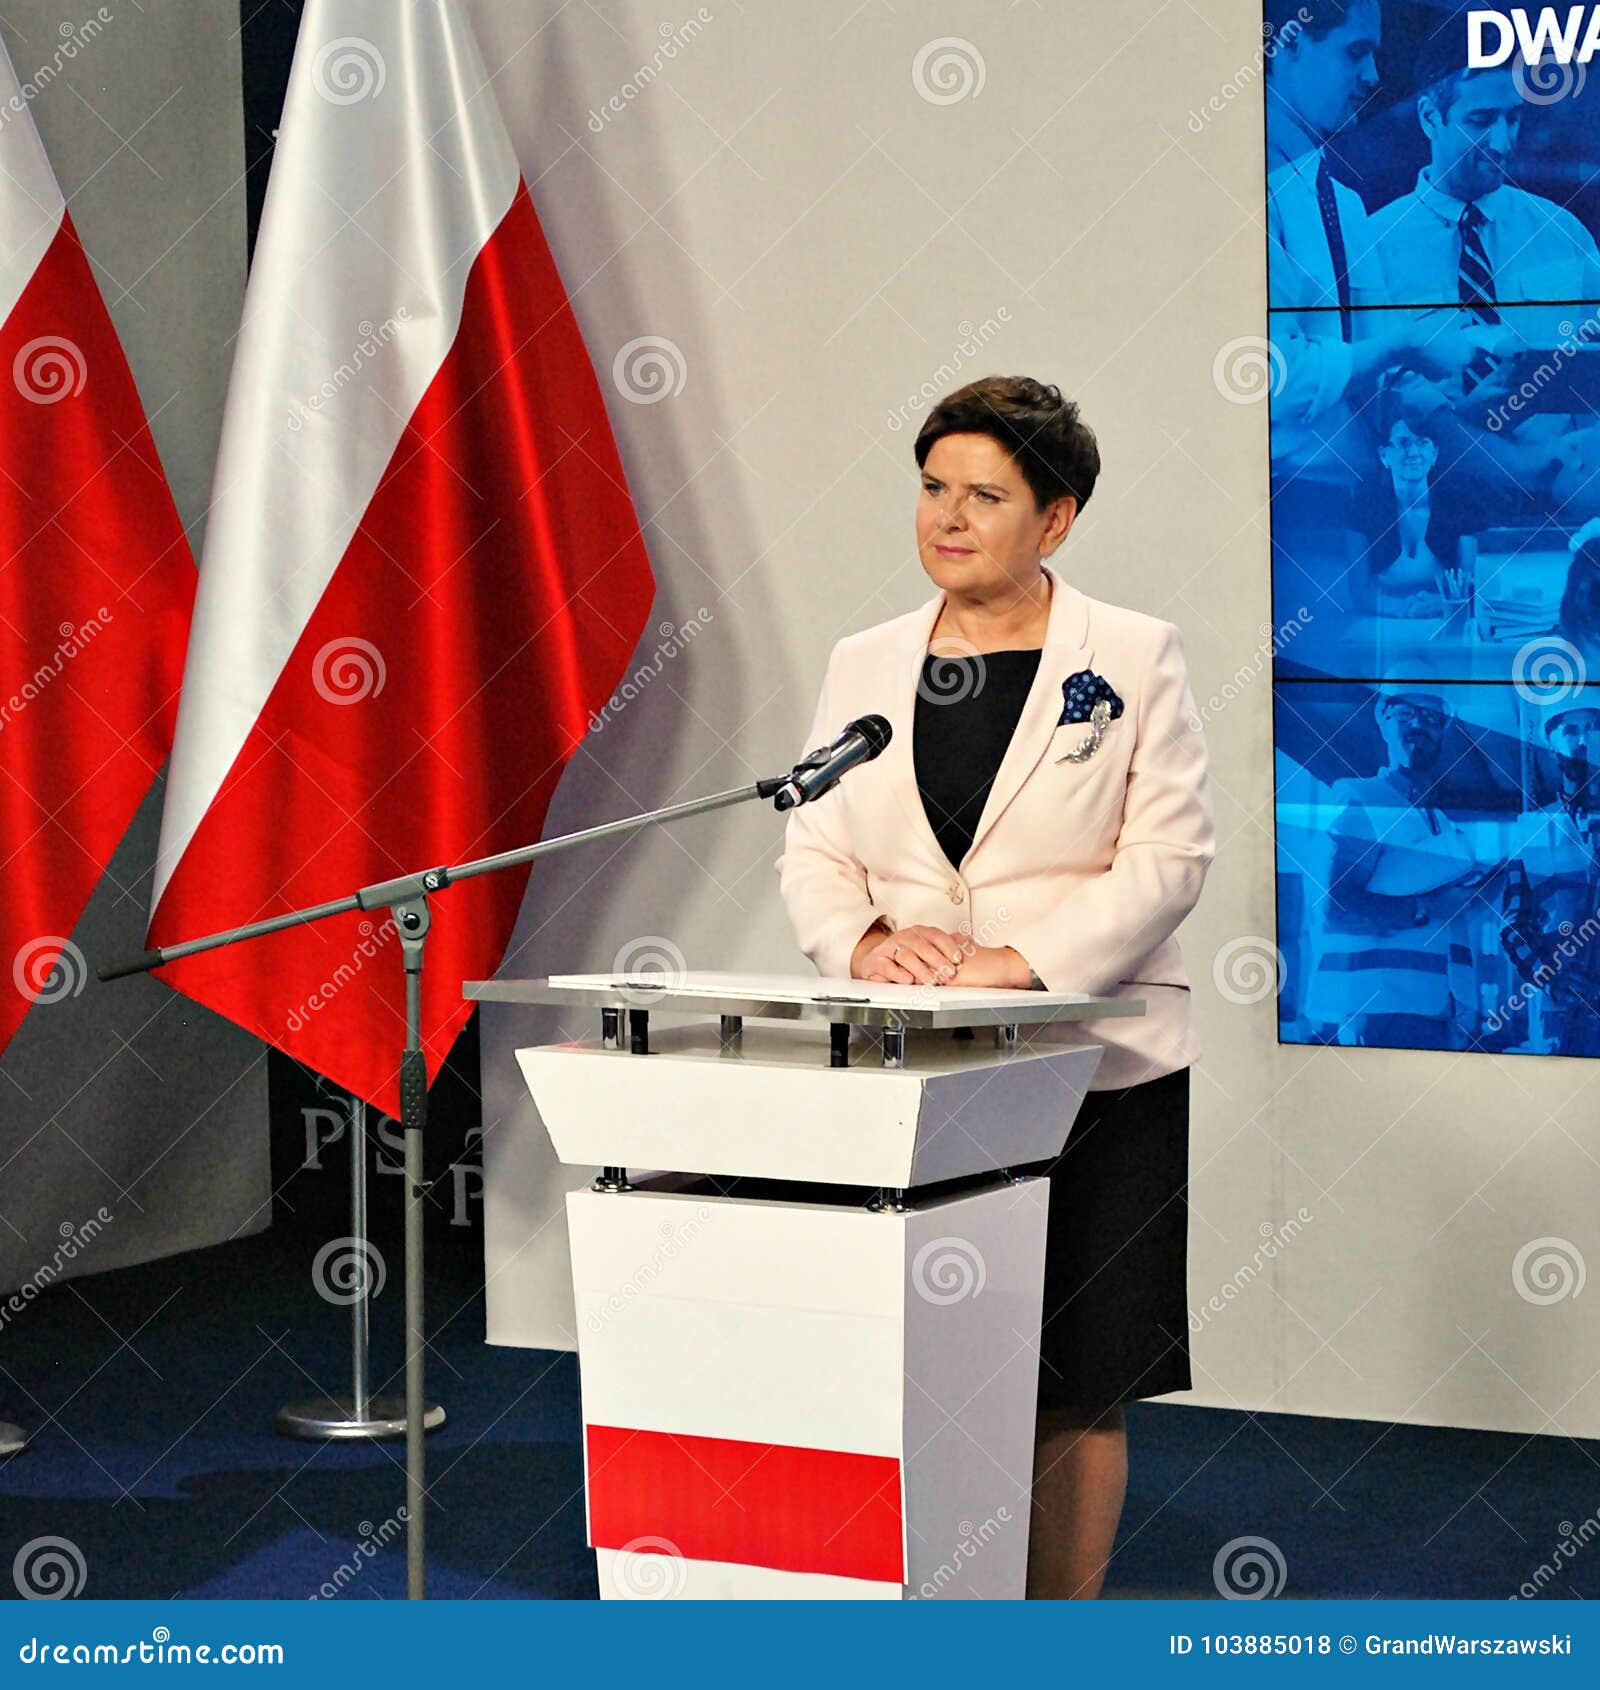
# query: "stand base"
13,1440
333,1419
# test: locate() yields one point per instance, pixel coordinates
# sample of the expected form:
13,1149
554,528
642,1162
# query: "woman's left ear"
1062,516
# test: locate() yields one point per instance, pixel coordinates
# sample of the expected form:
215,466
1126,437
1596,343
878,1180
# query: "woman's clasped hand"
931,956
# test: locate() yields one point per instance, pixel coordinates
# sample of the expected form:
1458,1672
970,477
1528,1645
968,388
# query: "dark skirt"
1115,1322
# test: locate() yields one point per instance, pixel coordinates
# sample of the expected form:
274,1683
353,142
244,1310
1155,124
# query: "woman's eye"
989,498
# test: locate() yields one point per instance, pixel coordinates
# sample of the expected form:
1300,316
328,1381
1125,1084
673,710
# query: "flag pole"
330,1417
406,898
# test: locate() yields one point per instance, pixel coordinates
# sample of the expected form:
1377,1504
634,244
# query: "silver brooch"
1099,721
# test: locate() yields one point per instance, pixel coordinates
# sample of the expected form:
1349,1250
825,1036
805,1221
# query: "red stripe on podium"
760,1505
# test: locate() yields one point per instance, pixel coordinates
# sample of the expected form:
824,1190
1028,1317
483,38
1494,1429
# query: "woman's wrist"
1022,976
868,941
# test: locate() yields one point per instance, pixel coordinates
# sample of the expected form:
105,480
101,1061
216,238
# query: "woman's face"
1409,455
978,531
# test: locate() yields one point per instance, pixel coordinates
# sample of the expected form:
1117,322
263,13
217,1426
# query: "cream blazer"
1085,868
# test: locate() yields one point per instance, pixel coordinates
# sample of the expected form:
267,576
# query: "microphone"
820,771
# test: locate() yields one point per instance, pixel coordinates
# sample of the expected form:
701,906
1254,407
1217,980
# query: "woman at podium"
1040,818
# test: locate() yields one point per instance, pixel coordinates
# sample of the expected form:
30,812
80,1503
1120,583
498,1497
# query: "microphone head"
875,730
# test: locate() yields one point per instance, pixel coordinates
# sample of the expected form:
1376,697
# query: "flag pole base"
13,1440
335,1420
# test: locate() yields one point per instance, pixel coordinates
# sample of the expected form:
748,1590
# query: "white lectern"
808,1339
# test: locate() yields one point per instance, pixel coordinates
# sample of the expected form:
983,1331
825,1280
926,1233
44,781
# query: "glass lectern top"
792,997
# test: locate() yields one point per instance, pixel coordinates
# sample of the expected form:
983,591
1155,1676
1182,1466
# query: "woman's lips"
953,551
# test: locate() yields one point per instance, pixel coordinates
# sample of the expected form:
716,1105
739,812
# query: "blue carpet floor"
151,1392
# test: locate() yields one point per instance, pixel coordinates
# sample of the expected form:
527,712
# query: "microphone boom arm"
407,900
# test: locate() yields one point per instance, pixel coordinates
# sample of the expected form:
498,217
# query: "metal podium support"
359,1415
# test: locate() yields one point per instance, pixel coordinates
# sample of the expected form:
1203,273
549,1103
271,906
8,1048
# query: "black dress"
1115,1322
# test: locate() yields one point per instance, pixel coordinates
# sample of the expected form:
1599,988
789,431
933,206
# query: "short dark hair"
1442,71
1049,442
1285,19
1387,410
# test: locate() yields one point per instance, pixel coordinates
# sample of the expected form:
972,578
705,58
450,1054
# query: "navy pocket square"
1082,692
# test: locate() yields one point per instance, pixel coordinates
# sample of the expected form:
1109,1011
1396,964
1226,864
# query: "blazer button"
956,893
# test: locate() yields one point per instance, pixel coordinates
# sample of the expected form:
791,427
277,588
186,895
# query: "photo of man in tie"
1323,266
1321,71
1331,341
1467,234
1501,265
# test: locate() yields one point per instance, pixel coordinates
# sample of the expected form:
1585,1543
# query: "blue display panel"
1374,104
1432,508
1433,195
1437,884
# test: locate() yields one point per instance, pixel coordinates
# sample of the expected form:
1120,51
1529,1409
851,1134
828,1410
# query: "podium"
808,1277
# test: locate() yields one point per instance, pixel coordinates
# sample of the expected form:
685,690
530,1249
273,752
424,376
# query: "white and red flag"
96,580
422,570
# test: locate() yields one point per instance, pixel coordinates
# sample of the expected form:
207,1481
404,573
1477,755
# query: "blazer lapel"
1066,649
899,766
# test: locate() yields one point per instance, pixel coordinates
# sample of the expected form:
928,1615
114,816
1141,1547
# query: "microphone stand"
406,898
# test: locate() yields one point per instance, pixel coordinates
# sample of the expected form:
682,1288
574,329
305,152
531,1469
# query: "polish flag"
422,570
96,581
